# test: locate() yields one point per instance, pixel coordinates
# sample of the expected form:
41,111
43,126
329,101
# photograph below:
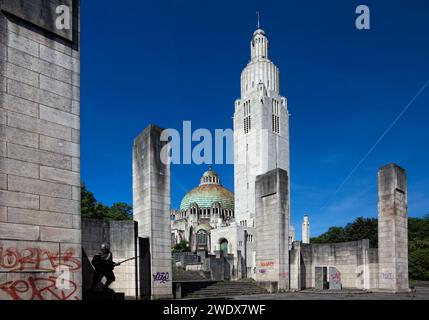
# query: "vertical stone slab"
305,229
272,230
392,229
151,206
39,152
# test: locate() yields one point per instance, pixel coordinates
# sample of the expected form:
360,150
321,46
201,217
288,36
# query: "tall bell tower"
261,127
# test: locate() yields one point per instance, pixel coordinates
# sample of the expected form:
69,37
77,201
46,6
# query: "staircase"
224,289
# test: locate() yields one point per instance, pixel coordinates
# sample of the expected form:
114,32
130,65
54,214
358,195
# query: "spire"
257,25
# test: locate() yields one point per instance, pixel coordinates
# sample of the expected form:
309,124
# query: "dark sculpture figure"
103,265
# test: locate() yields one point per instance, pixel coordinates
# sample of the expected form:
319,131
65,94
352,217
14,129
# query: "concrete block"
60,234
3,116
59,175
75,136
39,156
76,164
44,97
39,187
19,231
3,214
55,86
56,57
40,218
19,200
60,117
59,146
23,44
18,136
76,193
40,66
3,181
36,125
20,74
75,107
19,105
59,205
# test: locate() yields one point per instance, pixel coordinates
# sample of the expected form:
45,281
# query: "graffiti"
39,288
388,275
161,277
266,264
336,277
36,259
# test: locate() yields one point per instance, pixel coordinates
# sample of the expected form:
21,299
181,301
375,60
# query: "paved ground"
420,292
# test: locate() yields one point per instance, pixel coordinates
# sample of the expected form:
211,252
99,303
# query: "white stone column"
151,206
305,229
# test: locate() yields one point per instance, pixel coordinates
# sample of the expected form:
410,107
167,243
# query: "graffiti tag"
266,263
39,288
36,259
161,277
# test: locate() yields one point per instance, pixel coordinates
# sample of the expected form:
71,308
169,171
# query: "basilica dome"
209,191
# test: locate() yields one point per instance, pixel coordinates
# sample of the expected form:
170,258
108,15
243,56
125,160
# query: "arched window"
201,238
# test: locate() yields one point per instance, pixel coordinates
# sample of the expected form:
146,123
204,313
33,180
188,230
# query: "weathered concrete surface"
39,153
121,236
151,206
272,230
421,293
392,229
356,263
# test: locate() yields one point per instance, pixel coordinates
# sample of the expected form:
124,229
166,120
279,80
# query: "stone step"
225,289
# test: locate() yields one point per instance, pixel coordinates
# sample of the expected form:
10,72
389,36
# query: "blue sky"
164,62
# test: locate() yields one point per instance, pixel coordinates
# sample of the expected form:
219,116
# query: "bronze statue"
103,265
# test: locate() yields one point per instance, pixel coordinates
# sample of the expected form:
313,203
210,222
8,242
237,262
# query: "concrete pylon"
392,229
272,230
151,207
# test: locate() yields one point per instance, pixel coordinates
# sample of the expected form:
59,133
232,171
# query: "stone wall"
39,152
356,263
121,235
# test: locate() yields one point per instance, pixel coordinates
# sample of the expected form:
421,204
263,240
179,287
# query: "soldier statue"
103,265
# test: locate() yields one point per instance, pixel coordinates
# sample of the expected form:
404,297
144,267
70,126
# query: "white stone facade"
261,128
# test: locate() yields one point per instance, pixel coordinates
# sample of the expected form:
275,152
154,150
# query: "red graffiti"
36,259
39,288
266,263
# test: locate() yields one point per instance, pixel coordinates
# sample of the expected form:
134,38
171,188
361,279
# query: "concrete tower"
261,128
392,229
305,229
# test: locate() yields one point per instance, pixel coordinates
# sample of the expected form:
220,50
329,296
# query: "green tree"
367,228
91,208
363,228
333,235
121,211
418,264
182,246
88,202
